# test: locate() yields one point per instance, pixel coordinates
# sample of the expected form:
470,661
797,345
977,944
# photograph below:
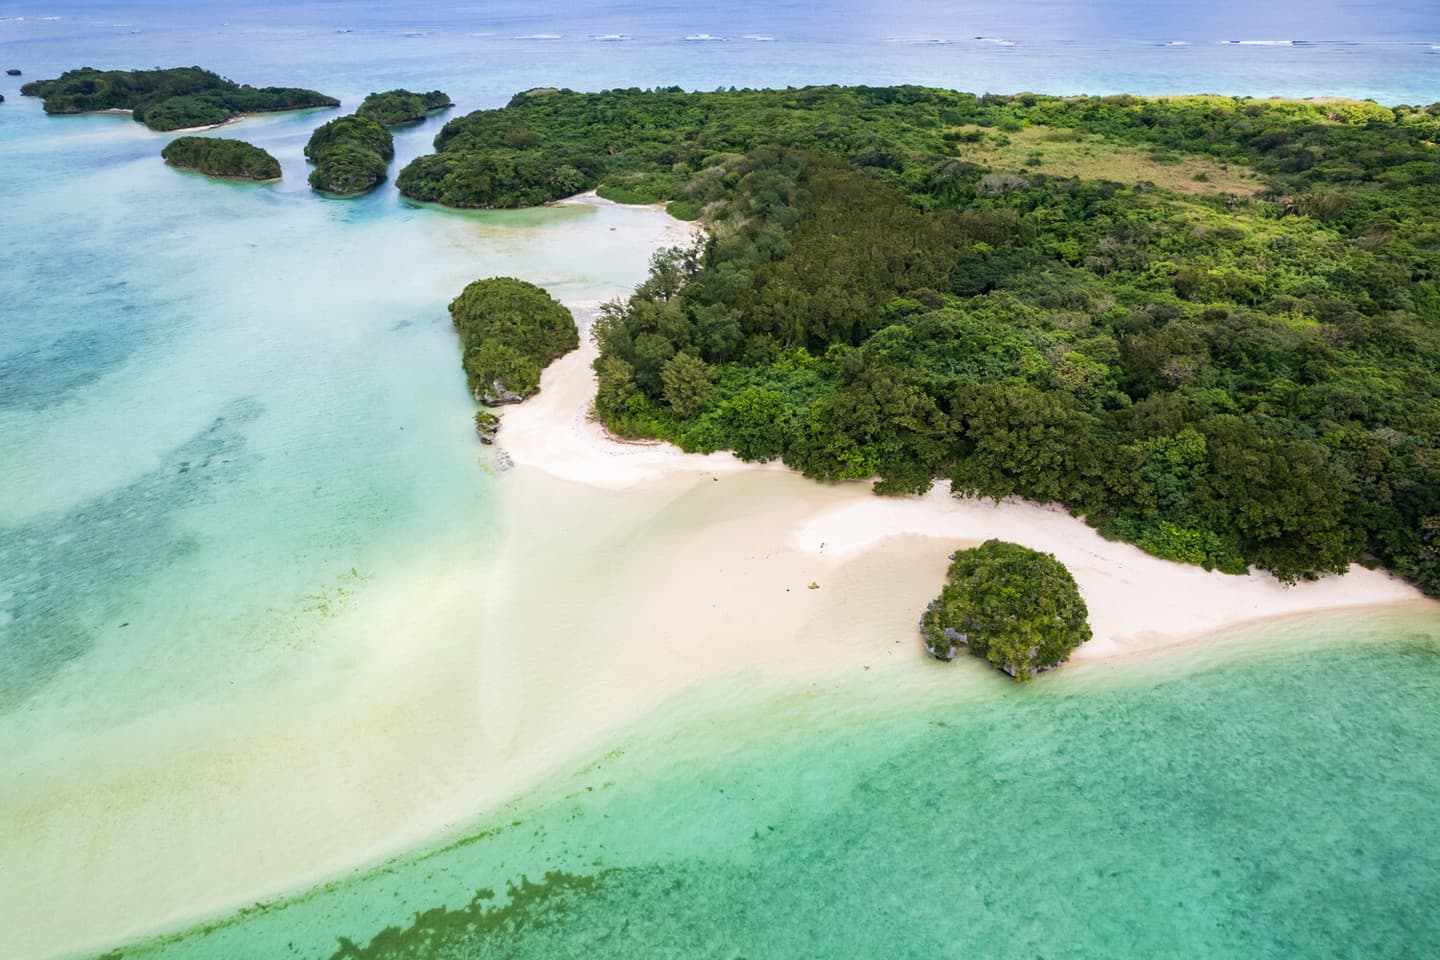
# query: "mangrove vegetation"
171,99
219,157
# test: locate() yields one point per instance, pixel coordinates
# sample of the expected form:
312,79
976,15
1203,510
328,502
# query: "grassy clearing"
1069,153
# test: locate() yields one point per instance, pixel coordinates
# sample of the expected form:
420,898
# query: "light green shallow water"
1270,794
227,399
238,469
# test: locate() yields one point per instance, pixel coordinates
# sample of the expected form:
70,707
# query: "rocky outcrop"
1014,669
12,72
951,640
487,426
498,395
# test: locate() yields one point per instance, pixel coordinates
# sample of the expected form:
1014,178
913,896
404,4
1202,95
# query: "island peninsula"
175,99
1203,323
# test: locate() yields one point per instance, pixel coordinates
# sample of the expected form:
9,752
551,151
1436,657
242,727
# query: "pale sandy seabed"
627,575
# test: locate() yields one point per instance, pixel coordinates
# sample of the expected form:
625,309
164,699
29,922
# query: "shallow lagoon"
1263,794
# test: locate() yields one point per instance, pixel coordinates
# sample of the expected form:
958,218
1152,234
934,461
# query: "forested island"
219,157
395,107
1015,607
351,155
171,99
1211,325
510,331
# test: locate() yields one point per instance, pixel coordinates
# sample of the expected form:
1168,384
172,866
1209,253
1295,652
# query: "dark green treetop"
169,99
401,106
510,330
221,157
1018,608
351,155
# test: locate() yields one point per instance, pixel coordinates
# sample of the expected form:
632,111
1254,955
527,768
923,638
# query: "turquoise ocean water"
1281,805
231,416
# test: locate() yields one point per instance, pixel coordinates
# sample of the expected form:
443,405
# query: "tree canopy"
169,99
1018,608
351,155
219,157
509,331
401,106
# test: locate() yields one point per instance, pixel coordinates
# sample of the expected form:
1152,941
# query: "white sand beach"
1137,602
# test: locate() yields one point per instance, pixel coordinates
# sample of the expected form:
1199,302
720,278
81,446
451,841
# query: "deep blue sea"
485,51
250,554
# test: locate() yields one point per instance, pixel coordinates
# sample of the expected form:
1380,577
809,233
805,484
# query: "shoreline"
126,112
228,178
1138,603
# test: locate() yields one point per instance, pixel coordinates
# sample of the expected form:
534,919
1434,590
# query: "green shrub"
683,209
509,331
219,157
351,155
1017,608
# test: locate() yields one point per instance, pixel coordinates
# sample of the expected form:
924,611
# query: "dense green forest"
219,157
351,155
509,330
1210,325
167,99
401,106
1017,608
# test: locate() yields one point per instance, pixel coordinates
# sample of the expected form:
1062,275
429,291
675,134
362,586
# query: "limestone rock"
498,394
487,425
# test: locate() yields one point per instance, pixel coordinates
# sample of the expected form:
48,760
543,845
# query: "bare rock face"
996,184
498,394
